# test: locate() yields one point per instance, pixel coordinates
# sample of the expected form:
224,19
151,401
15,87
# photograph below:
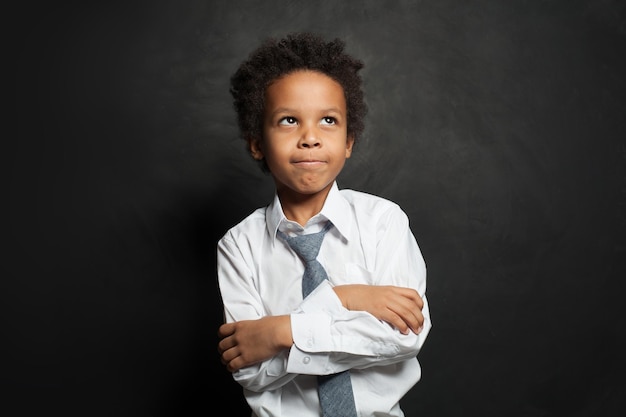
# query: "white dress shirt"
260,275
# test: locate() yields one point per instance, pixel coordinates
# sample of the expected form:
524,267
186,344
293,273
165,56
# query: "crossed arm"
247,342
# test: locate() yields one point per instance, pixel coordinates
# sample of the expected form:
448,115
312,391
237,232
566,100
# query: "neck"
301,207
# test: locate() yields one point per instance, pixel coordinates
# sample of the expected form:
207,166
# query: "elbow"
250,377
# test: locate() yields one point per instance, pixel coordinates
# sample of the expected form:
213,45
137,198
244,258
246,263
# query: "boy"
300,109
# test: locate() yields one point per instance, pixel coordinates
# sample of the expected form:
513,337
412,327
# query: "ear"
349,145
254,146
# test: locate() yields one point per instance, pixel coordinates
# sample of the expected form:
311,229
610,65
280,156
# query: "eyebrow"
289,110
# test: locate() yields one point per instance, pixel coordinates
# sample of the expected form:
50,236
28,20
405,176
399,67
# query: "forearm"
256,351
356,338
351,340
247,342
400,307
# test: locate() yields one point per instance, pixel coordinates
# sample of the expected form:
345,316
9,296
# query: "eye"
287,121
329,120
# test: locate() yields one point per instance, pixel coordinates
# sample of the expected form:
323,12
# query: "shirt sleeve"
339,339
242,302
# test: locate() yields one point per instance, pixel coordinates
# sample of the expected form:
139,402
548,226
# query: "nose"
310,138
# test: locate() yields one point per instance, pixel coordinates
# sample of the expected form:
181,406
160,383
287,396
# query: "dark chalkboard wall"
497,125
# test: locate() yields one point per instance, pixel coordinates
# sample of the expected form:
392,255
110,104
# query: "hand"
400,307
247,342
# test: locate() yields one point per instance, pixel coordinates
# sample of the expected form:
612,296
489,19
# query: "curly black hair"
276,58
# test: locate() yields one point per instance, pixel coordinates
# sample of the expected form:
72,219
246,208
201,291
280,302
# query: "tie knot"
307,246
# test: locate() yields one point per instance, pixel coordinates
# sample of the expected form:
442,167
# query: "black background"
497,125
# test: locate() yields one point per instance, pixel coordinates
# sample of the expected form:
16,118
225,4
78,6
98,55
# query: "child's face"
305,142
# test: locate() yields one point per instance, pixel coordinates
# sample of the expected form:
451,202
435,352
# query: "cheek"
275,154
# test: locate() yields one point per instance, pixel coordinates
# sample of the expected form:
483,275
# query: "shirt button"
306,360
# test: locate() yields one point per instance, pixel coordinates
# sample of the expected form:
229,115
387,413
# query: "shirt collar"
336,209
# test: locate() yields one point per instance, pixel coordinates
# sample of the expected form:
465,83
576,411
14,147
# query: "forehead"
305,89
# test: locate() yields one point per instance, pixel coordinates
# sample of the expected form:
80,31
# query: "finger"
237,360
396,321
225,344
226,329
230,354
406,311
234,365
415,304
420,321
413,295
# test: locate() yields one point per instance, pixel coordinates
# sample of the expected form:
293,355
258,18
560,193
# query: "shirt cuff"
322,298
310,334
310,329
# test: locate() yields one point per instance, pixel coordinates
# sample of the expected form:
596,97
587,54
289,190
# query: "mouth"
309,163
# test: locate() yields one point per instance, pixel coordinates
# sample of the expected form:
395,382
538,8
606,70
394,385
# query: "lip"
309,163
